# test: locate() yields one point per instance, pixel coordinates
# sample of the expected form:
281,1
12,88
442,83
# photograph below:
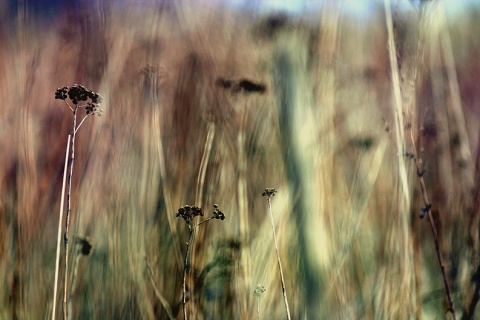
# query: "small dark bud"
425,210
86,246
188,213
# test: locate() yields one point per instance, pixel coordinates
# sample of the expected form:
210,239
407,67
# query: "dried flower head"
259,290
248,87
61,93
93,108
269,192
86,246
78,93
244,86
217,214
189,212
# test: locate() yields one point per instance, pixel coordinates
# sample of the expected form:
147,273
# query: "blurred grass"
350,245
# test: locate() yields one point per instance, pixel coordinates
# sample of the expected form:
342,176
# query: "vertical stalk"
278,259
400,134
184,302
67,218
428,206
62,199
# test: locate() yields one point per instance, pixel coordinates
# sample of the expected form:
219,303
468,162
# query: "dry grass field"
335,129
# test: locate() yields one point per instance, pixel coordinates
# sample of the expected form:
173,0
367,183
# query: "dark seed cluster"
269,192
78,93
189,212
217,214
61,93
93,108
85,246
244,86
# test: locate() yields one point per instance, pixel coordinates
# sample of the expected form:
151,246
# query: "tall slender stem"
427,204
67,218
185,266
62,201
400,110
279,262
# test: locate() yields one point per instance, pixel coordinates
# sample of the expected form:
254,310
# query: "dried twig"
270,192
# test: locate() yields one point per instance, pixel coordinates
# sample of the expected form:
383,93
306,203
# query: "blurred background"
184,124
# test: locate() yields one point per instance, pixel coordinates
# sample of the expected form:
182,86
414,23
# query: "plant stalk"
185,266
68,210
279,262
427,204
62,201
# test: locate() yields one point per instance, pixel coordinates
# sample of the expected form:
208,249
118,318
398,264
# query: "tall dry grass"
349,236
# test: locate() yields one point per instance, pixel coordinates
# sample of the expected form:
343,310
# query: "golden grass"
346,212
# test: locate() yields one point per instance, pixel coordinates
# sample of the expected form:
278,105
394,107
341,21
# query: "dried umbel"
269,192
244,86
217,214
77,93
189,212
259,290
86,246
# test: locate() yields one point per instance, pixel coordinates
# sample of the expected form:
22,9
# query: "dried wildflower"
259,290
61,93
93,108
78,93
86,246
269,192
189,212
243,85
248,86
217,214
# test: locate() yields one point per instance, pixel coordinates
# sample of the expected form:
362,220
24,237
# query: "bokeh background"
173,133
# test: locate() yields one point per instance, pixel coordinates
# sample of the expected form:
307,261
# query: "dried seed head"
77,93
217,214
259,290
269,192
188,213
86,246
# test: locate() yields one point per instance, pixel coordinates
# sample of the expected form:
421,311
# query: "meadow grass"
324,132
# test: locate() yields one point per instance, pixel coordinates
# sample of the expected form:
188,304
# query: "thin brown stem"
427,204
67,218
185,267
203,221
279,262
